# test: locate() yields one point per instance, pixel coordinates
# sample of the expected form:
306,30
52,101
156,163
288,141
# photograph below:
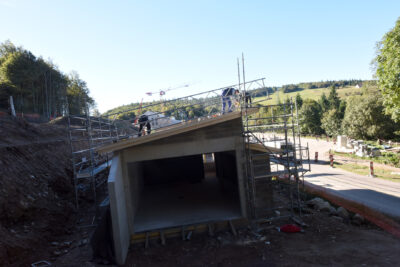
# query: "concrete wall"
241,175
225,136
161,171
136,177
126,174
225,164
220,137
226,171
119,211
263,187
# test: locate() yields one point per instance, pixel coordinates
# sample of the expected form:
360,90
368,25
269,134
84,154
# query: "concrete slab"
171,205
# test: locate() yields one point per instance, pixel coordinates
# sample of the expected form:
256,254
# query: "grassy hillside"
314,94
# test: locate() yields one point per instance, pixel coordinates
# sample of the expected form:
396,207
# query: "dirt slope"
35,188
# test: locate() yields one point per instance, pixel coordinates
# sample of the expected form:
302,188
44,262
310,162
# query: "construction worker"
237,99
144,121
227,93
247,98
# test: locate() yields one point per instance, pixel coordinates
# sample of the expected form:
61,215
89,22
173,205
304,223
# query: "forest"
38,86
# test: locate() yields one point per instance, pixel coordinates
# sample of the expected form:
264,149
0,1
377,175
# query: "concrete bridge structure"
158,181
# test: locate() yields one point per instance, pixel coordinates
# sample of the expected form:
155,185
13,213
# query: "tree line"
289,88
360,117
38,86
323,84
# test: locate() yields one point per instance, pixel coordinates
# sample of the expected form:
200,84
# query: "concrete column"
128,190
241,174
119,217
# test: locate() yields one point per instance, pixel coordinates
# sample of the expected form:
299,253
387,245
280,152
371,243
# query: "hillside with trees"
38,86
359,116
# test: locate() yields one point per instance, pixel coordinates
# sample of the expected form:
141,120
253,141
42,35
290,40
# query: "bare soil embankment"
35,189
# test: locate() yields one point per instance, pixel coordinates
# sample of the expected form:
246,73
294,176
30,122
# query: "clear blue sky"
123,49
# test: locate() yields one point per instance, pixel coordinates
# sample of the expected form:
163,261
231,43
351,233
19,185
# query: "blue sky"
123,49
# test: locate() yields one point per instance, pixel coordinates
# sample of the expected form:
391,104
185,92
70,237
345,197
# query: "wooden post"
371,169
331,159
12,106
316,157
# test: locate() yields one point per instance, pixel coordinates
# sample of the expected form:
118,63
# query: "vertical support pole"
287,154
295,161
316,157
238,65
244,77
73,160
91,149
331,160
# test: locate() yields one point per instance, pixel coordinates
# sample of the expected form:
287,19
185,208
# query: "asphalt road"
378,194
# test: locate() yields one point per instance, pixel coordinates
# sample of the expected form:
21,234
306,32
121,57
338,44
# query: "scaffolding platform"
90,171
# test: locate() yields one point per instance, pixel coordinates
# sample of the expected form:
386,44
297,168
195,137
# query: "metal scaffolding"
86,133
279,167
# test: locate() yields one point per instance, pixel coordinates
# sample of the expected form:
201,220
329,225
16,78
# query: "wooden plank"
184,230
261,148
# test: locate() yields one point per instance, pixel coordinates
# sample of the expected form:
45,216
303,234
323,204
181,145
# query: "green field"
364,170
314,94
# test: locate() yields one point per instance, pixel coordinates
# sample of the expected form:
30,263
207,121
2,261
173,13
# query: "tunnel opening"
185,190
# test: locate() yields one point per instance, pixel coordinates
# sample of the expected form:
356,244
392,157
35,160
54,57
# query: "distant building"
358,86
159,120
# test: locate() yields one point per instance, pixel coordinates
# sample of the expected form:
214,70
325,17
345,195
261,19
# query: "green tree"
331,122
6,89
324,103
310,117
388,71
299,100
342,109
78,95
365,119
7,48
333,98
37,85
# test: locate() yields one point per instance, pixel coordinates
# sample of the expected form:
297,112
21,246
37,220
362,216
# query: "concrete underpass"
159,181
